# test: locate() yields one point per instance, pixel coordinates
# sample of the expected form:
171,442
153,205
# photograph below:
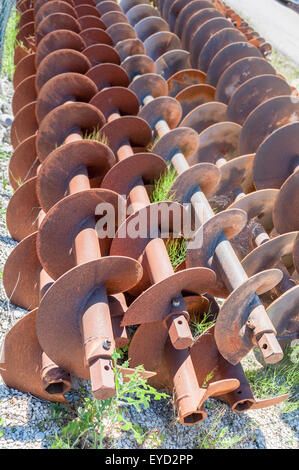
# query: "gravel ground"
27,422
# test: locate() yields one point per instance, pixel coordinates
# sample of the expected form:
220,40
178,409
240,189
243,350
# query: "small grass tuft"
206,321
278,379
208,378
151,146
59,413
163,185
215,437
4,181
8,66
96,135
176,249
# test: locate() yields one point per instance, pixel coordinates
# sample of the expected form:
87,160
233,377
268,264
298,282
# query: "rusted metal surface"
194,96
25,93
23,163
205,115
101,374
238,73
61,39
232,37
21,362
20,278
121,272
266,118
286,211
25,68
62,88
172,61
226,57
150,25
101,53
218,142
184,79
53,177
254,92
72,83
61,61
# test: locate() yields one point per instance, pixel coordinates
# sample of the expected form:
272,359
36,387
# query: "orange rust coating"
157,259
96,321
187,393
54,379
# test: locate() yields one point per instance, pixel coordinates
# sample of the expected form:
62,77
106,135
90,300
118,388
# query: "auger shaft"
227,261
157,259
96,320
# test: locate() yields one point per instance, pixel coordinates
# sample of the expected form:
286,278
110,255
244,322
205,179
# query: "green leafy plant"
278,379
9,45
123,352
97,419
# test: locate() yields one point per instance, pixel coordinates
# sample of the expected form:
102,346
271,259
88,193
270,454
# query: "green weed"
215,438
1,425
59,411
4,181
96,135
154,439
208,378
4,155
123,352
176,249
17,180
9,45
151,146
206,321
95,421
278,379
163,185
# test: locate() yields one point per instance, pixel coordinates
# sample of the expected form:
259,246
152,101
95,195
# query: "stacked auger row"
83,73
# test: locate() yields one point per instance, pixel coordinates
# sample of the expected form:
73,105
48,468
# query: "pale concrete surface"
274,21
